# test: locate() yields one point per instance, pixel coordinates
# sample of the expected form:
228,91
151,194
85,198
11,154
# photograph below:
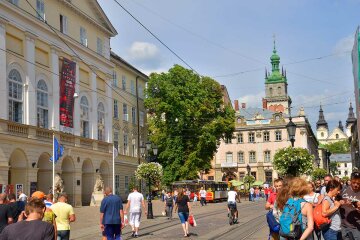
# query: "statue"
59,185
99,184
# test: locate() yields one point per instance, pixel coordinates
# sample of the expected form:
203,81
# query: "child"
195,199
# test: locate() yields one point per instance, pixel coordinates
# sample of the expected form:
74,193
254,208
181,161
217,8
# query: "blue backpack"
274,226
291,219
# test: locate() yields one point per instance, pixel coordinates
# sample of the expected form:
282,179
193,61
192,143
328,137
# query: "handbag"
192,221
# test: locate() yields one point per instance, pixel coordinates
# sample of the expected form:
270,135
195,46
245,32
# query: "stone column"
32,177
3,72
94,103
109,113
30,116
77,100
77,188
55,121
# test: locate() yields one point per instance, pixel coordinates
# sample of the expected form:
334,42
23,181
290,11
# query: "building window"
337,136
266,136
227,140
346,173
123,82
322,134
267,156
101,122
133,148
253,174
241,157
339,172
125,113
126,144
84,117
99,46
132,87
141,118
40,9
252,157
240,138
271,91
117,184
63,24
229,157
116,141
133,115
83,37
268,177
251,137
345,165
278,136
116,109
126,183
15,96
279,90
241,176
115,81
42,105
141,92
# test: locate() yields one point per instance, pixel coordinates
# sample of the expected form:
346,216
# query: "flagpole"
113,169
53,168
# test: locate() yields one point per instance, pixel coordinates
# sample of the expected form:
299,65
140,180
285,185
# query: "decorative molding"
30,36
3,22
55,49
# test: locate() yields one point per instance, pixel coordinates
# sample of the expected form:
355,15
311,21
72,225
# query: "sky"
232,41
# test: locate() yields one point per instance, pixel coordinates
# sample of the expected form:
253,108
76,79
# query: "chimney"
243,105
236,103
264,103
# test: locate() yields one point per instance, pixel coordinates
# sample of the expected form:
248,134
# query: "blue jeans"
330,234
183,217
113,231
63,235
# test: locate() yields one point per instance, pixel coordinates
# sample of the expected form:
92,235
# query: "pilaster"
94,102
77,100
32,177
4,174
3,77
109,113
78,188
55,121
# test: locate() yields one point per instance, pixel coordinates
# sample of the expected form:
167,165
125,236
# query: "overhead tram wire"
77,55
156,37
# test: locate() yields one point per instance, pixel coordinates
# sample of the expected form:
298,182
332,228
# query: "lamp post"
317,160
149,147
248,168
291,129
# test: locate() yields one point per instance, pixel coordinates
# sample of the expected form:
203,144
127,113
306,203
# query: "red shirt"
272,198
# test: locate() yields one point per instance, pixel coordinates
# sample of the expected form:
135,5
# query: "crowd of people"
327,210
37,217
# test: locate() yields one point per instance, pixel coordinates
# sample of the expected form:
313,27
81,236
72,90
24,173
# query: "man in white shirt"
135,200
22,196
202,196
232,201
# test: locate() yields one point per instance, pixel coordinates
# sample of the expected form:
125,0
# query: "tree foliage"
333,168
318,173
187,119
293,161
338,147
152,172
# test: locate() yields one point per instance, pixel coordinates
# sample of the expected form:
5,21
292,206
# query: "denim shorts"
183,216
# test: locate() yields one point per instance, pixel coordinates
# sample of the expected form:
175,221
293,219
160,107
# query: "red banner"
67,90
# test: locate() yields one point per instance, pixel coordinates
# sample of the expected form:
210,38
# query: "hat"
38,194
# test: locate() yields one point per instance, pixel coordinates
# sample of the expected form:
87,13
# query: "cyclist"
232,202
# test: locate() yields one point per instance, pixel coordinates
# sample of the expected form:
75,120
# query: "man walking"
202,196
327,178
111,215
64,215
16,207
350,211
5,213
135,200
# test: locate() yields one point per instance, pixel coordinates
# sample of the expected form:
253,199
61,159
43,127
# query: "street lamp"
291,129
149,147
248,168
317,160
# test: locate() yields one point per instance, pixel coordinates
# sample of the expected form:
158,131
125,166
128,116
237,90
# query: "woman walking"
184,208
169,205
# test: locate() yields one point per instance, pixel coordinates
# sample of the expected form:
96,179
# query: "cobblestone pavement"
212,223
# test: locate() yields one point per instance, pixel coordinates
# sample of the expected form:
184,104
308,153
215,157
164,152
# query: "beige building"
61,80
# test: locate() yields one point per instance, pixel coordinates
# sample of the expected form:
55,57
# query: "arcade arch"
87,182
44,176
18,169
68,176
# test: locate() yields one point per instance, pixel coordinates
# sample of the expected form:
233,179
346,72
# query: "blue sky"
218,38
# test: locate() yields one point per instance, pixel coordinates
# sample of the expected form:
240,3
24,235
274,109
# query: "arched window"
42,105
101,122
279,90
271,91
15,92
337,136
84,117
322,134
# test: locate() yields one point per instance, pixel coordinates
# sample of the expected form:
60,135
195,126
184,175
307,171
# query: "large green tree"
293,161
187,117
338,147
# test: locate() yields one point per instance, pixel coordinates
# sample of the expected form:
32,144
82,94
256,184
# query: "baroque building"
58,77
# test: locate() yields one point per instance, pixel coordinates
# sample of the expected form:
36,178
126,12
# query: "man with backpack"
169,205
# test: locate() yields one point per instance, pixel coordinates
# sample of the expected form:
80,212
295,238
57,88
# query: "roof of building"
120,59
253,113
340,157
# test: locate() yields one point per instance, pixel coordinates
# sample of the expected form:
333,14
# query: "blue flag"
59,150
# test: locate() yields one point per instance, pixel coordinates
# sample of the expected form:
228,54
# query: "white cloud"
343,45
145,55
252,100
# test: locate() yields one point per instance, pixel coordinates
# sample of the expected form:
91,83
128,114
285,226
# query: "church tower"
276,94
350,121
322,129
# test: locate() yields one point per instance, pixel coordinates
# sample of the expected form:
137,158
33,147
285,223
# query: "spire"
276,76
321,122
266,75
341,126
351,117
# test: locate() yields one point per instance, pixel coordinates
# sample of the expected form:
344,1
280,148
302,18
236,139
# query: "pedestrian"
135,200
195,199
111,215
163,195
169,205
350,211
184,209
16,207
175,194
330,209
64,216
251,194
318,186
202,194
49,200
313,198
266,192
33,228
5,213
278,184
22,196
257,194
327,178
188,193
